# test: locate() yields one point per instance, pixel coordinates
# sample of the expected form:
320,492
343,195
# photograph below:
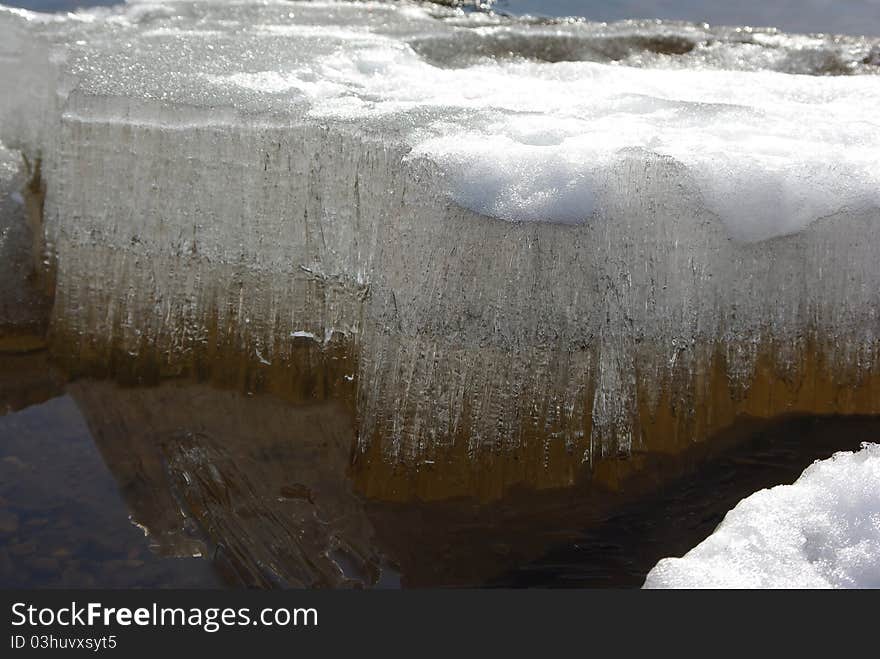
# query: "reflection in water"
188,484
261,483
184,484
62,520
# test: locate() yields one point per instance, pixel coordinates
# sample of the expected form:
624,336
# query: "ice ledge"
193,218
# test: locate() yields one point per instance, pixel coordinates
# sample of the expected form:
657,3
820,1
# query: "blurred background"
859,17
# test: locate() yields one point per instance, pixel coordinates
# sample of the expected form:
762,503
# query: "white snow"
823,531
771,152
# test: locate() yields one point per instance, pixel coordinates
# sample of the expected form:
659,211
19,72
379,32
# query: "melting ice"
531,235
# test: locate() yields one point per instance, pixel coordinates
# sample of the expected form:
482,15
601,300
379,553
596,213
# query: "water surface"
188,485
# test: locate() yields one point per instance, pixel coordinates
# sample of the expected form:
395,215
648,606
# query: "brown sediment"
18,341
261,488
35,200
26,294
465,542
43,267
620,548
307,372
264,487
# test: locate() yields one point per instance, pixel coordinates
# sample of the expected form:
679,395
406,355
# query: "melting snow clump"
822,531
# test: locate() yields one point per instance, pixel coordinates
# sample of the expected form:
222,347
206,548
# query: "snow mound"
822,531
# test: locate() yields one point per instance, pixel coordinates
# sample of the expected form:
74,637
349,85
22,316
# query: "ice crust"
823,531
514,138
525,232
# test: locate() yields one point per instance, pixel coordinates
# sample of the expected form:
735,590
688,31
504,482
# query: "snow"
772,152
822,531
518,139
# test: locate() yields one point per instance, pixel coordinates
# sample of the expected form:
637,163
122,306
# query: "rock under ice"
557,241
823,531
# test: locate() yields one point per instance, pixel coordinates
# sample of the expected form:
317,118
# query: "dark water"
63,521
857,17
620,550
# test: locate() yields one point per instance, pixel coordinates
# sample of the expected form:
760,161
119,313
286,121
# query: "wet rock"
250,475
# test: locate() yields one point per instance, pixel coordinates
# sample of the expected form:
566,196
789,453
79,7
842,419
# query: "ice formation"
11,217
823,531
547,242
22,307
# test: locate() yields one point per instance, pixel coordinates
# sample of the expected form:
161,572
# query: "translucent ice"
552,242
823,531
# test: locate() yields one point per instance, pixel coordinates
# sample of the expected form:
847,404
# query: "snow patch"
823,531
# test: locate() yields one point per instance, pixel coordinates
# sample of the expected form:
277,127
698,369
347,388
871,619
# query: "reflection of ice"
71,522
265,481
690,232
